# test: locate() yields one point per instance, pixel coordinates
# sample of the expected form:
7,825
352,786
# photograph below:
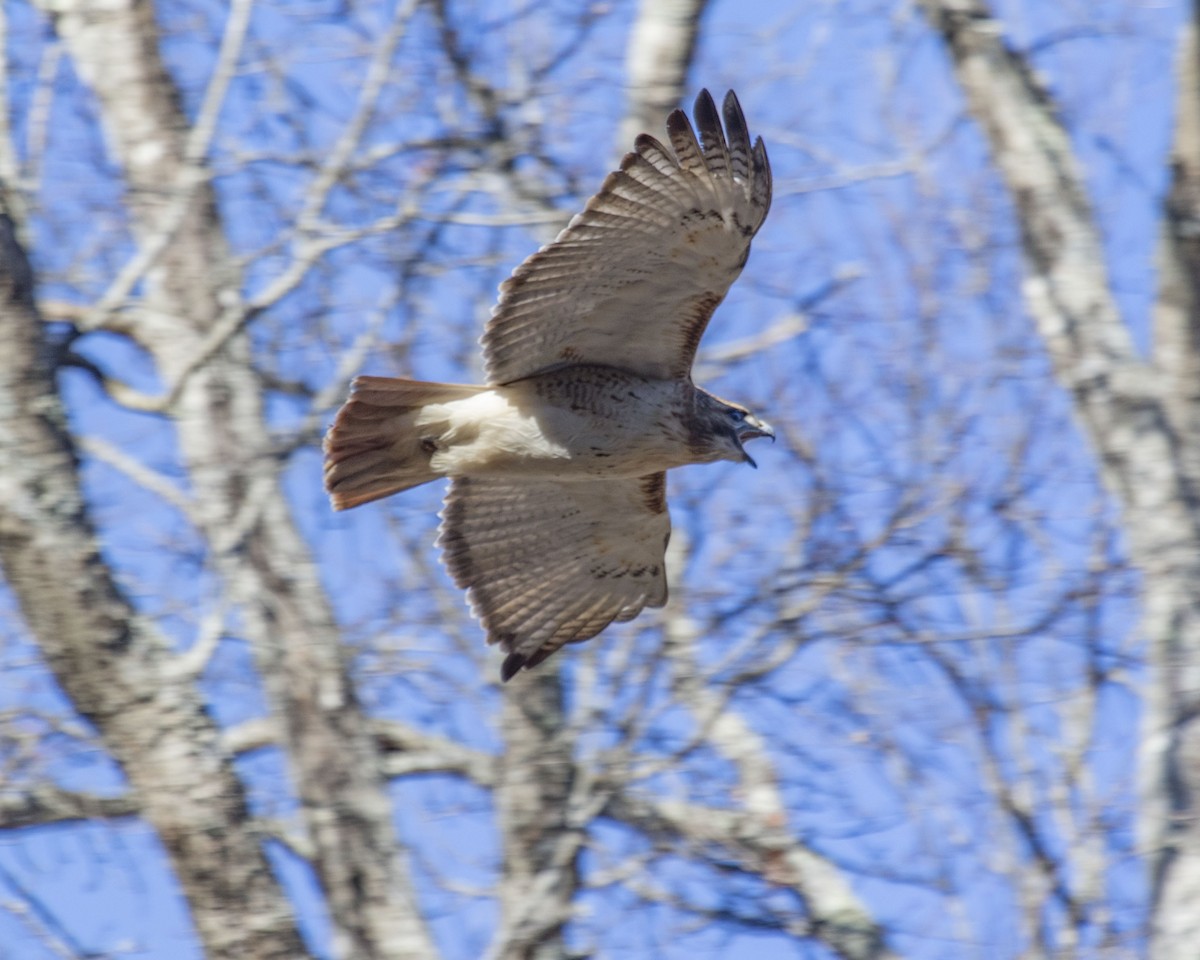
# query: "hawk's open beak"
751,428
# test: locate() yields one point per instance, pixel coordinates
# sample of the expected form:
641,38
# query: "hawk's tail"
380,443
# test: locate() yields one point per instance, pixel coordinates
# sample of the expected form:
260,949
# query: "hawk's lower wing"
548,562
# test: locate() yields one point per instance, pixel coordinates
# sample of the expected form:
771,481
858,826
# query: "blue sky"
917,402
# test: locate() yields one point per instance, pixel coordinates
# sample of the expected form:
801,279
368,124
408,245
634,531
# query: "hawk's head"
723,427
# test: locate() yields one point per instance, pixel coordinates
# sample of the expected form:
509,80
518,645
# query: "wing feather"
654,153
684,143
712,140
633,279
738,134
547,563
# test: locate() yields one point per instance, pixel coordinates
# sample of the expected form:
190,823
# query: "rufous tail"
382,440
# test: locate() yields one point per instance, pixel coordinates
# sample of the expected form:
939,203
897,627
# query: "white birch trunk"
1173,768
117,669
661,47
191,320
1126,410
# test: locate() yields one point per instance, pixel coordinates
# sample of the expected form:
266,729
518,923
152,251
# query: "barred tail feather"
376,447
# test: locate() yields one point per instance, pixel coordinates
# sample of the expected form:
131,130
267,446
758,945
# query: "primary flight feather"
556,520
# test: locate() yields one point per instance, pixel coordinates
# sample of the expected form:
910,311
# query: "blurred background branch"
891,708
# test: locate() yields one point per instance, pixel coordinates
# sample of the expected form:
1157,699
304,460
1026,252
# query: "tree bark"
537,792
662,46
1126,410
116,668
1173,769
533,804
1177,308
192,320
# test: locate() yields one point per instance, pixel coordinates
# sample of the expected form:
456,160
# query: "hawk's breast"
577,422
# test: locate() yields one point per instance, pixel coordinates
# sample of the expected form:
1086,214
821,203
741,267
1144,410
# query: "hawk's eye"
738,415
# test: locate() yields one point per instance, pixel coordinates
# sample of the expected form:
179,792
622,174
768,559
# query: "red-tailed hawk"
556,521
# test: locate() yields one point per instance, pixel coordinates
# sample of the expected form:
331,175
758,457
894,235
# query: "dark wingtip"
512,663
762,171
705,111
678,122
732,110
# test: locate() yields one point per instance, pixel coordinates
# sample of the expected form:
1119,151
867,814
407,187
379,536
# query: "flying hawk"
556,520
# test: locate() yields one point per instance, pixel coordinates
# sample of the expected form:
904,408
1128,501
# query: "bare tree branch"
112,662
1123,408
259,554
837,917
39,806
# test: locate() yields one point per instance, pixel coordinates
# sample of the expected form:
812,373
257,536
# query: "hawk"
556,520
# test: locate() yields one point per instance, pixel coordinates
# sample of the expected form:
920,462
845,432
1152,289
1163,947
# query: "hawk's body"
556,520
581,421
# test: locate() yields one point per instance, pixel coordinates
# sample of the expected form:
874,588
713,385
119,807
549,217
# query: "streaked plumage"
556,520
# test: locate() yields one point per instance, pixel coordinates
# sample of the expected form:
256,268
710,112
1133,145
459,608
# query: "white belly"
516,430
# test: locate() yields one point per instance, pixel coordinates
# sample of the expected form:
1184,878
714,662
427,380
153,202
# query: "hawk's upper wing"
547,562
632,281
